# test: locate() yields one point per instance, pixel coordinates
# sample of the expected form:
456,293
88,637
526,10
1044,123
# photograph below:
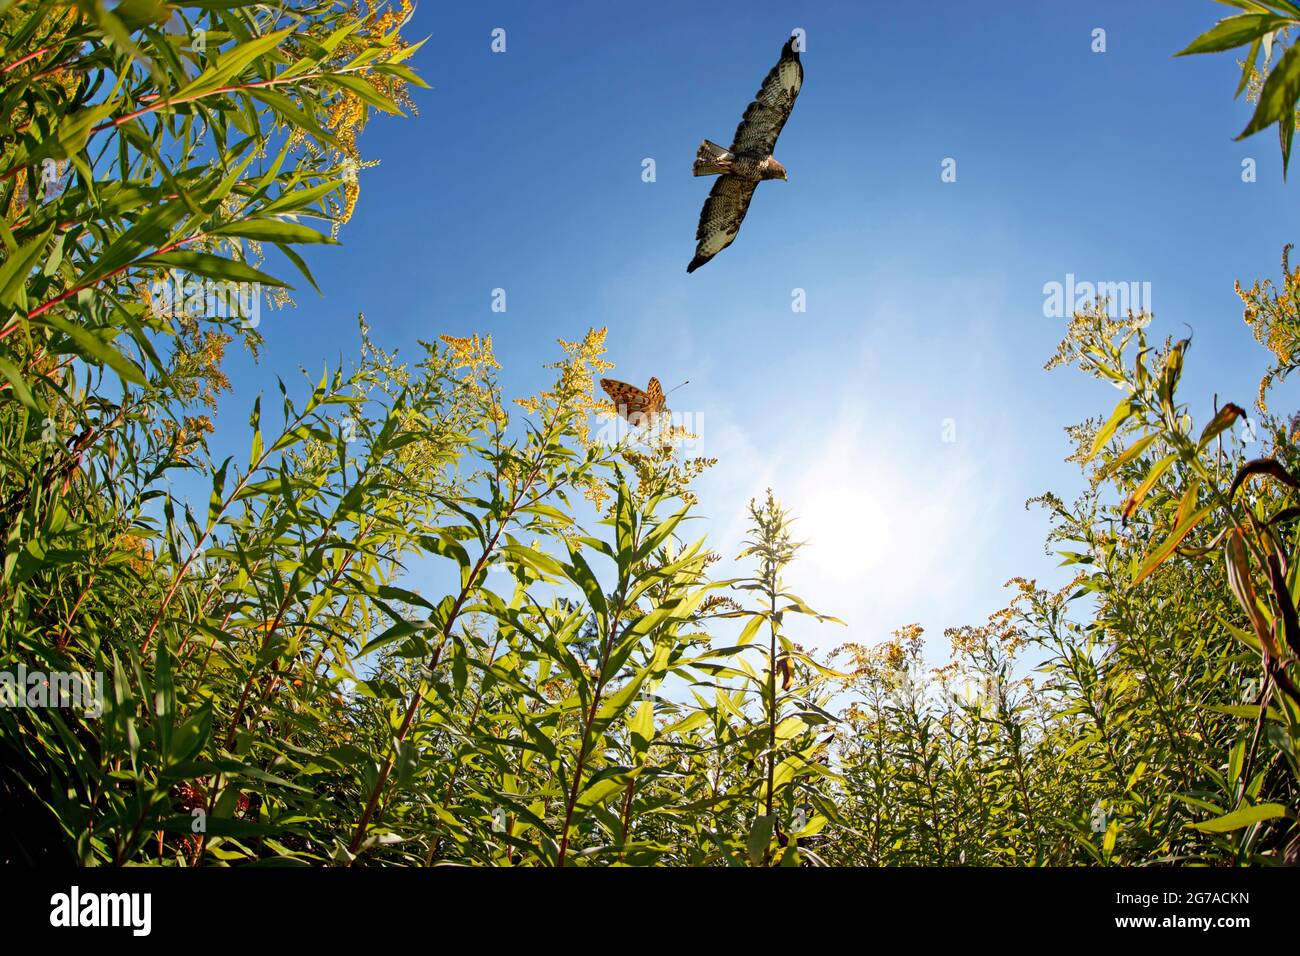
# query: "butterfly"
632,403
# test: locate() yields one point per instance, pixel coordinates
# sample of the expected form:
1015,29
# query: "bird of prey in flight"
749,160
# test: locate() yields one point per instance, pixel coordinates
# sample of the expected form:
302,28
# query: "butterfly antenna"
676,387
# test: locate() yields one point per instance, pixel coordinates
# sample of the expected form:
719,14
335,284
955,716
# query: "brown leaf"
1262,466
783,666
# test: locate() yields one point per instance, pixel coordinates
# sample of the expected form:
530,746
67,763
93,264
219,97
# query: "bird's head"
775,170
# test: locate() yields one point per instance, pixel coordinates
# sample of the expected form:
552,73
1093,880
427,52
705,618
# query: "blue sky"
523,169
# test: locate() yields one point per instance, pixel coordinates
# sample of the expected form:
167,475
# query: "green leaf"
1127,455
17,268
760,838
271,230
580,573
229,64
1279,95
1242,818
642,726
90,347
366,91
213,267
1166,548
1286,134
658,536
1226,416
1122,411
691,722
398,631
537,560
751,628
1233,32
601,789
812,827
17,383
1142,490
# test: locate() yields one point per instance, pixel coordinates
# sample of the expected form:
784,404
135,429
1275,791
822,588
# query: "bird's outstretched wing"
764,118
721,217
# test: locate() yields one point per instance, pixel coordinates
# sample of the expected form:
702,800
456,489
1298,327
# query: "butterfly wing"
655,398
628,399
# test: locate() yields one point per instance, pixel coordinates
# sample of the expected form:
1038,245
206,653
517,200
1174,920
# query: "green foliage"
418,625
277,687
1263,25
1146,712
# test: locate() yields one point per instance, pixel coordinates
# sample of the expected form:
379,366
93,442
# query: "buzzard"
749,160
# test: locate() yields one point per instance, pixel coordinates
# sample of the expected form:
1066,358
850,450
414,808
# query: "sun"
847,529
878,531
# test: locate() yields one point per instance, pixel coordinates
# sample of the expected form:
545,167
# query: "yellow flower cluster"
576,381
1274,317
471,352
187,437
659,472
63,79
886,663
347,113
196,373
1090,325
138,549
474,354
573,388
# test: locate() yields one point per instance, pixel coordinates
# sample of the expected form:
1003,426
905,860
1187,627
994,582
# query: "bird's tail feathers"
712,159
